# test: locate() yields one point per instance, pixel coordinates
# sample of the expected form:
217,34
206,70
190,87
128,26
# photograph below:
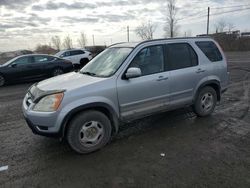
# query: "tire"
84,62
89,131
57,71
205,102
2,80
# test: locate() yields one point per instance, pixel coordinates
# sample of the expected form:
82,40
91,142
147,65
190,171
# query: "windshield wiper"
89,73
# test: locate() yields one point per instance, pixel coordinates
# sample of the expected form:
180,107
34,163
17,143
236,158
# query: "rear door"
148,93
216,60
42,65
185,72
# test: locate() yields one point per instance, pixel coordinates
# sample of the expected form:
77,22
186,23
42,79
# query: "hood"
68,82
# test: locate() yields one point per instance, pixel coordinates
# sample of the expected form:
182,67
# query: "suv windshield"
107,62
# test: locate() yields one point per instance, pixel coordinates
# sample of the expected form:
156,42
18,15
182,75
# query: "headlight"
49,103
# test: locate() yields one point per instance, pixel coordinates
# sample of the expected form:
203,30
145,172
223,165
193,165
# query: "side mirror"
133,72
13,65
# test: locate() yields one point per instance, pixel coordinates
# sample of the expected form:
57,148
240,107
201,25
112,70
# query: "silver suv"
125,82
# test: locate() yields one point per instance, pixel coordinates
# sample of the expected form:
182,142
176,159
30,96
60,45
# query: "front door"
148,93
19,69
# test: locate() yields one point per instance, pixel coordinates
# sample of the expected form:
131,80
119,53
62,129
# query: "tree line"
56,44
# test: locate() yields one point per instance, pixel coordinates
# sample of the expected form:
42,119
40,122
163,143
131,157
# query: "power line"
192,15
215,14
230,11
235,6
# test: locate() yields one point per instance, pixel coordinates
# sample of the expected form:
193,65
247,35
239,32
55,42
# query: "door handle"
161,78
200,70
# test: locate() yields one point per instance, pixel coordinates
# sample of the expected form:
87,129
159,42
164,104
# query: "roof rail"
175,38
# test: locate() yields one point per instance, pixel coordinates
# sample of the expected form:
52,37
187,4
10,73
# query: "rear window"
210,50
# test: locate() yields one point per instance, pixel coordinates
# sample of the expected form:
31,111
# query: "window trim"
123,77
189,52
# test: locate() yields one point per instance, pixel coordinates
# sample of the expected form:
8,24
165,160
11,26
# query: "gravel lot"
174,149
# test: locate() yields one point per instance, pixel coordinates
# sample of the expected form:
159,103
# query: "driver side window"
150,60
22,61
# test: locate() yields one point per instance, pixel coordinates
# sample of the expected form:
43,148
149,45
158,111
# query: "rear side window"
181,55
76,52
210,50
43,59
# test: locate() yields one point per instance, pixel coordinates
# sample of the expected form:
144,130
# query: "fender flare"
111,115
207,83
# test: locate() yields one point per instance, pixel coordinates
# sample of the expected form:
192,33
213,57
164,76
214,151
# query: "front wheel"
205,102
89,131
2,80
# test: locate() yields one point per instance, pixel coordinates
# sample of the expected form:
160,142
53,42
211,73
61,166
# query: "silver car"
125,82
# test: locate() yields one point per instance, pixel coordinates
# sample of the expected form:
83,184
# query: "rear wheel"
88,132
2,80
57,71
205,102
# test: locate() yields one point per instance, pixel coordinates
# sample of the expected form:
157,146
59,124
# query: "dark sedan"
33,67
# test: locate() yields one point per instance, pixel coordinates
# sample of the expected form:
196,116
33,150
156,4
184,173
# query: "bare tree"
45,49
171,26
145,31
220,26
230,26
56,42
82,41
67,43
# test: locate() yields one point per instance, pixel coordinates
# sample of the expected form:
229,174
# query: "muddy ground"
199,152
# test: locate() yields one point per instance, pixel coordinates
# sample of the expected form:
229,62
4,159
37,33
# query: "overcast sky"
26,23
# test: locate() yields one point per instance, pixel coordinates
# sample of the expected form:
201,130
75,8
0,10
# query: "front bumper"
37,131
42,123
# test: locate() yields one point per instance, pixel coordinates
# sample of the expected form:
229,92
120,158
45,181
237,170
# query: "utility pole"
128,33
208,14
93,36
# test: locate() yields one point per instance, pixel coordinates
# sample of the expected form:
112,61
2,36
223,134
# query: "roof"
71,49
134,44
27,55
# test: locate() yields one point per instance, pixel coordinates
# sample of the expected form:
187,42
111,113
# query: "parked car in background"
79,57
33,67
125,82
